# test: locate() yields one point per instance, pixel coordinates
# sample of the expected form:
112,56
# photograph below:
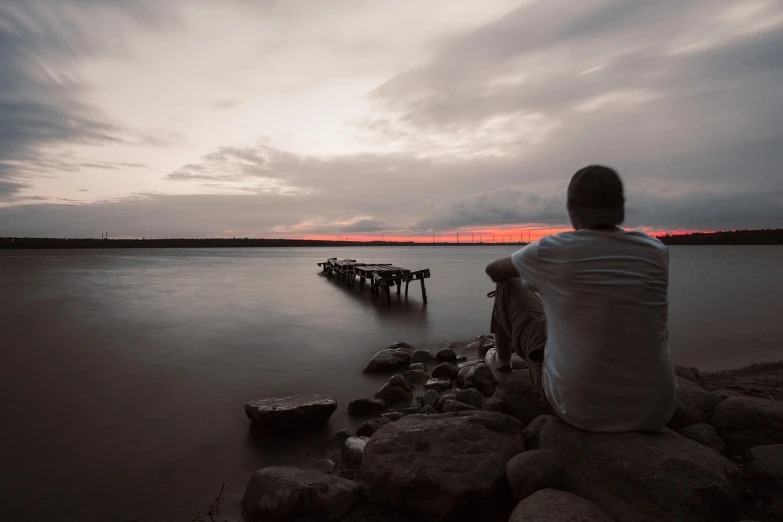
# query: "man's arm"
501,270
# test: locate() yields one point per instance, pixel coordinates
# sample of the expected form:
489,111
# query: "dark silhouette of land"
733,237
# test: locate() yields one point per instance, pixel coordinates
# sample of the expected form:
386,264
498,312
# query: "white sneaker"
500,369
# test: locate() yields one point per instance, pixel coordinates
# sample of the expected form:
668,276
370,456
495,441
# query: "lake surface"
123,373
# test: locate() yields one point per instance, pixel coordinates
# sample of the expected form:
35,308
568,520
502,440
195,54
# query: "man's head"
595,198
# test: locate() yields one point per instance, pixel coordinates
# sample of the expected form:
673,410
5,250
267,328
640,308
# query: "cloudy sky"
356,118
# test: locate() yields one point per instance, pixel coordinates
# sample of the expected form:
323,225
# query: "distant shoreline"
735,237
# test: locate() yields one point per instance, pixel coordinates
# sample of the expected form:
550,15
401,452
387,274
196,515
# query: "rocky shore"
442,440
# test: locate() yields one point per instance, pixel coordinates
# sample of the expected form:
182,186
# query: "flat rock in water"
451,405
291,493
292,413
480,377
399,380
445,370
766,462
520,401
389,359
704,434
535,470
551,505
353,450
446,355
366,406
645,477
439,467
371,426
747,422
417,366
438,385
694,405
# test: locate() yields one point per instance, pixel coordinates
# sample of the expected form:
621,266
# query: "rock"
645,477
399,380
471,396
403,345
430,398
353,450
393,415
366,406
747,422
550,505
293,413
446,355
337,441
389,359
418,366
291,493
414,377
722,395
324,466
766,462
371,426
478,376
440,466
445,371
410,410
445,396
691,374
533,471
533,430
520,401
704,434
422,356
437,385
694,405
462,358
427,410
497,405
392,394
451,405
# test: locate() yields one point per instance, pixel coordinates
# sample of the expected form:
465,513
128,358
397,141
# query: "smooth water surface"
123,373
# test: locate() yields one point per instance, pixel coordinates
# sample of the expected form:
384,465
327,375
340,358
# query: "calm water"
123,373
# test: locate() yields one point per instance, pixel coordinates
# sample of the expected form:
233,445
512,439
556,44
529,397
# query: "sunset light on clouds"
384,119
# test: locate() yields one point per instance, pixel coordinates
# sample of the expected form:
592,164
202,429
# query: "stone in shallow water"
445,371
645,477
551,505
459,461
477,376
371,426
366,406
438,385
430,397
391,394
389,359
471,396
422,356
446,355
292,493
417,366
292,413
324,466
353,450
747,422
415,376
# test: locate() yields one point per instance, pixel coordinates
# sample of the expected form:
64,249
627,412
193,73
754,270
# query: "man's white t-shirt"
607,364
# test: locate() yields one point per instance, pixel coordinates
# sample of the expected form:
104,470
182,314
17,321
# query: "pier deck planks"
381,276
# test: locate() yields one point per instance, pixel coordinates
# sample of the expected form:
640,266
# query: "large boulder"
645,477
451,405
361,407
292,413
535,470
694,405
353,450
704,434
480,377
371,426
422,356
389,359
298,494
440,466
520,401
766,462
551,505
532,430
747,422
396,391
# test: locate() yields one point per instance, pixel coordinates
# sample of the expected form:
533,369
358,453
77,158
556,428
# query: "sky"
400,119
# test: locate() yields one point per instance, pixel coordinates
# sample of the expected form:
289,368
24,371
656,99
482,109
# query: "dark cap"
596,195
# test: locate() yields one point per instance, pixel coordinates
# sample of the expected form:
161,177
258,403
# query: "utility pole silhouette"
433,237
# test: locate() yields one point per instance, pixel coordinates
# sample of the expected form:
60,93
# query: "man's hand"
501,270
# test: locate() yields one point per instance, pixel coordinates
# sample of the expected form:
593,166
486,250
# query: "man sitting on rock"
588,311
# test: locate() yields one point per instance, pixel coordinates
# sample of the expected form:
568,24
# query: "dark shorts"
518,319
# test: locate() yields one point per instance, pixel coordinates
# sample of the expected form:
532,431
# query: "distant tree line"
766,236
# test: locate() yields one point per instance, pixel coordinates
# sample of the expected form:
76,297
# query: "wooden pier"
381,276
